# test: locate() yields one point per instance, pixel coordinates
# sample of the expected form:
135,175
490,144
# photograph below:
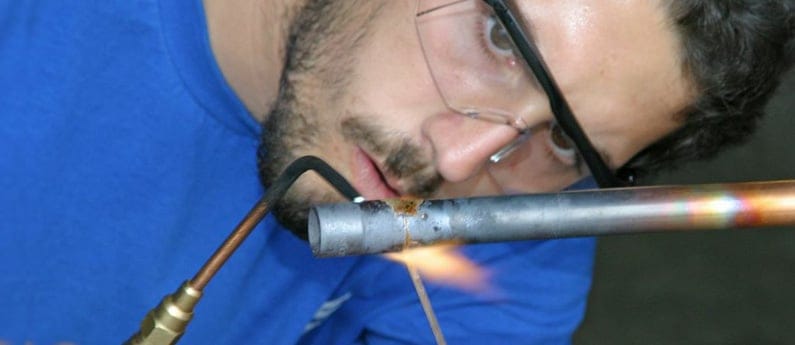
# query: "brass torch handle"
166,323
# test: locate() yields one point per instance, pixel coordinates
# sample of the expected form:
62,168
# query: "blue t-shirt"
126,159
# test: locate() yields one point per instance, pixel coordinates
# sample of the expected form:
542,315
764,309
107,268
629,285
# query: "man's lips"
369,179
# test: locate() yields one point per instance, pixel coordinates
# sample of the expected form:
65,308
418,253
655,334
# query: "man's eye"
497,38
561,145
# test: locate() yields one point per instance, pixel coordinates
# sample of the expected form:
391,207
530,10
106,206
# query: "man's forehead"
593,48
577,11
522,15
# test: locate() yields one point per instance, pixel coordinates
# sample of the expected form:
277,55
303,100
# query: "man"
131,132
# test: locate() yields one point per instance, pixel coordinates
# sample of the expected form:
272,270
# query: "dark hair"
735,52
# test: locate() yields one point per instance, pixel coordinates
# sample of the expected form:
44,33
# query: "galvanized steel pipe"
387,225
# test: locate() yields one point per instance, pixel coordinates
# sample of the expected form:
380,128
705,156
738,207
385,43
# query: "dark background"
724,287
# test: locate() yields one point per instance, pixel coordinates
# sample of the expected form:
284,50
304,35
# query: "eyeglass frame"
563,114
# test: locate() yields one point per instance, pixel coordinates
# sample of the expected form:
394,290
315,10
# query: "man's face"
358,94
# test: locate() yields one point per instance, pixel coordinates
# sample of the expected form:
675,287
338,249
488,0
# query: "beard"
321,51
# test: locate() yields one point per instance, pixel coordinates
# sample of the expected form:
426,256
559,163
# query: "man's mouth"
369,178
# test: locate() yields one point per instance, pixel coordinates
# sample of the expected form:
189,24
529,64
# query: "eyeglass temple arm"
560,109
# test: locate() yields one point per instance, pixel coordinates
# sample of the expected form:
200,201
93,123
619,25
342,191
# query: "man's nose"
462,145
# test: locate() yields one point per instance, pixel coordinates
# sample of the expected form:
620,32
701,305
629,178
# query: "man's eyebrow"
603,155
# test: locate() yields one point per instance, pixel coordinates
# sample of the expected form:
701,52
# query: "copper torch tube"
276,191
232,242
167,322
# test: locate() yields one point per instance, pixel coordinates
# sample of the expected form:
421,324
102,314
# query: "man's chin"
293,219
293,210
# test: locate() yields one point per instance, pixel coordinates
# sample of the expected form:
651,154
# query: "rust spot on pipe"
407,206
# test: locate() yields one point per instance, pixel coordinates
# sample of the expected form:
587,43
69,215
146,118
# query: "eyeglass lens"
479,73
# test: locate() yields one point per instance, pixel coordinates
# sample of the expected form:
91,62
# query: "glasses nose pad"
462,145
507,150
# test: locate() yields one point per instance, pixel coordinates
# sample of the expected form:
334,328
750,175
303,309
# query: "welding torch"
167,322
369,227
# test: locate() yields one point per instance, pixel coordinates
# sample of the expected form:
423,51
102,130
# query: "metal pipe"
387,225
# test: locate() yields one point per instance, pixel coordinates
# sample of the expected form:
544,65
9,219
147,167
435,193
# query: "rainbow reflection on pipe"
388,225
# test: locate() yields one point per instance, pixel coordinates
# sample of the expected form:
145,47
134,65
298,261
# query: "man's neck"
248,40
